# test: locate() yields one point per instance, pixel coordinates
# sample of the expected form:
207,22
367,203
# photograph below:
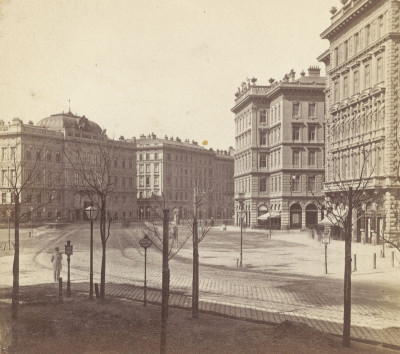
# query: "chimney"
292,75
153,136
314,71
166,137
302,73
142,136
171,138
286,78
178,139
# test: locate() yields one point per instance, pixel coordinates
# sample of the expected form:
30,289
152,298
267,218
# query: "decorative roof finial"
69,106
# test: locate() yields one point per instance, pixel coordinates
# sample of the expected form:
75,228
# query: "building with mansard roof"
362,98
279,158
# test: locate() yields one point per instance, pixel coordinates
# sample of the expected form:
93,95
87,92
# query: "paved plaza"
282,278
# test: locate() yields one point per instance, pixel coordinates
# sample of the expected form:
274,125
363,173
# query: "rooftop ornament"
333,10
343,2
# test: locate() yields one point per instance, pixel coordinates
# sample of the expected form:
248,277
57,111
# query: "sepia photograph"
199,176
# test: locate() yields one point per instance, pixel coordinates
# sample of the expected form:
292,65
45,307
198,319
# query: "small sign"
145,242
68,249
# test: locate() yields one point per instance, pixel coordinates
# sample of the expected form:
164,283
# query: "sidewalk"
389,337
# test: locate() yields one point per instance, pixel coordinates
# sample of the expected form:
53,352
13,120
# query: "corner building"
279,158
362,102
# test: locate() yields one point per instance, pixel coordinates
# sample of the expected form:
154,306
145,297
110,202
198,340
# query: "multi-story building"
43,154
362,120
279,159
172,168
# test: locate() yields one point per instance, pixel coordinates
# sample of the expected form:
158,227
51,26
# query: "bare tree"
22,175
344,196
94,179
163,210
194,226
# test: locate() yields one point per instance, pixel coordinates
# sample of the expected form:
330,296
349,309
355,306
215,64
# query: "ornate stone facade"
279,159
362,66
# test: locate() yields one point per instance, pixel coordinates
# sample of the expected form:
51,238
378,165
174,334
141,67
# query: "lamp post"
31,209
68,252
145,242
9,235
240,199
326,240
91,213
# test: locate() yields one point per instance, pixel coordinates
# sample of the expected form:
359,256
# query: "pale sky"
169,67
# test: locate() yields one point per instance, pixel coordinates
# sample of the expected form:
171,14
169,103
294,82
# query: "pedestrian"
56,259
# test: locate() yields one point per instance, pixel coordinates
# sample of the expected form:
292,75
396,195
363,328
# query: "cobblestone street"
252,292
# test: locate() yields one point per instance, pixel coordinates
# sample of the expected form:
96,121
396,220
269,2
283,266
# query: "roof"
69,121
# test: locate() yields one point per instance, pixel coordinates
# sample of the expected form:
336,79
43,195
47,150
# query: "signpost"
145,242
68,252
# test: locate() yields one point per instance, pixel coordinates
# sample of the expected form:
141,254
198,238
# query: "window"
4,153
336,97
147,181
39,199
356,43
140,157
123,163
38,154
48,155
311,184
147,157
312,110
367,35
336,56
148,168
345,50
115,163
312,133
263,184
263,116
345,87
263,138
263,160
296,158
156,181
312,158
4,177
356,82
28,154
296,109
296,133
141,181
296,183
156,167
156,156
3,198
58,157
380,26
141,168
367,76
379,70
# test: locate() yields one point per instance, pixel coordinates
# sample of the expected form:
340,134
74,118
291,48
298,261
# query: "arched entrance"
311,215
262,210
295,216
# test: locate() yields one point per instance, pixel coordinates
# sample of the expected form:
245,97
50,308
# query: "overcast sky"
169,67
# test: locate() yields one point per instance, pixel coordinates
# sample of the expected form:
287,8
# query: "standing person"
56,259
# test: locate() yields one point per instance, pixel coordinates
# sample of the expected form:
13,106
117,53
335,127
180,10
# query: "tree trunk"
103,273
347,275
103,221
15,291
195,281
165,284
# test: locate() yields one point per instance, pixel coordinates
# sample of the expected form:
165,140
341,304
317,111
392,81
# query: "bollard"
374,260
392,258
96,290
355,263
60,294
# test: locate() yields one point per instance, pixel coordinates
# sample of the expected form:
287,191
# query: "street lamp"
9,235
91,213
240,199
145,242
68,252
31,209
